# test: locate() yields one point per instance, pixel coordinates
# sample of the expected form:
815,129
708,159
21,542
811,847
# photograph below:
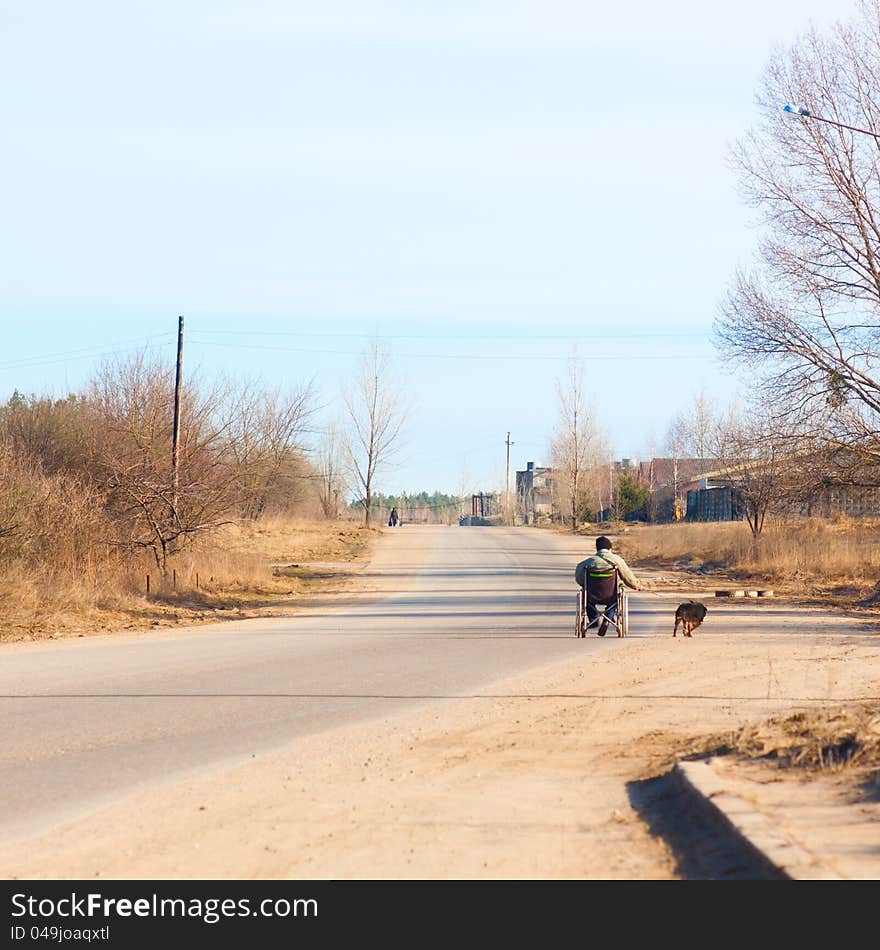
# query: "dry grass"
806,554
258,567
279,540
843,739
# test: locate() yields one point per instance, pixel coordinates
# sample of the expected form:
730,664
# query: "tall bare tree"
575,445
677,439
239,444
806,320
132,456
264,431
700,425
691,432
377,412
465,490
329,461
755,465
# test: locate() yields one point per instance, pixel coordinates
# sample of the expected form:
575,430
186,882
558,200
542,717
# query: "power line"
116,348
84,353
525,338
456,356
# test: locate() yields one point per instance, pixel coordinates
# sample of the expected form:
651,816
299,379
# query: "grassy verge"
829,741
255,569
832,561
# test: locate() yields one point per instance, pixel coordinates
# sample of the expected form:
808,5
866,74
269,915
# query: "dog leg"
675,628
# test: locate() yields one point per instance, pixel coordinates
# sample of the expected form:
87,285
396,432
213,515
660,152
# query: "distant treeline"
418,504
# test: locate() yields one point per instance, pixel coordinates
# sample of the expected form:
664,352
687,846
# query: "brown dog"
690,616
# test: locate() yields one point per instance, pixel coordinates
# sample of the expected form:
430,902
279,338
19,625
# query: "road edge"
698,780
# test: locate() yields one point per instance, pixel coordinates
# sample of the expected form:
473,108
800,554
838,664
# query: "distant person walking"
394,520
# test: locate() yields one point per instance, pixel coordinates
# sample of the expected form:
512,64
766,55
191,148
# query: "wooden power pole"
509,512
175,437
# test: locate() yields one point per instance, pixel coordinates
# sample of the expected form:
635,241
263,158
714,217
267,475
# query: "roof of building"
659,472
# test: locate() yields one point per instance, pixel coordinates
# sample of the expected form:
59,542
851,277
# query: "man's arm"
626,575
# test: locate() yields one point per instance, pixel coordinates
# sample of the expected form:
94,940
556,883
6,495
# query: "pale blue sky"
486,183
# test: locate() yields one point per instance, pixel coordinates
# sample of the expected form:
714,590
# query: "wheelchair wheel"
622,614
579,623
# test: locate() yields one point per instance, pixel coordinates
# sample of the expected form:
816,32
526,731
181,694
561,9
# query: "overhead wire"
117,347
107,349
454,356
525,338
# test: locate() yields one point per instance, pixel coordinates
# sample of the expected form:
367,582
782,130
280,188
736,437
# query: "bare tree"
465,490
239,444
331,470
648,478
377,413
700,425
599,481
52,432
574,445
806,321
132,456
755,466
691,431
677,438
264,431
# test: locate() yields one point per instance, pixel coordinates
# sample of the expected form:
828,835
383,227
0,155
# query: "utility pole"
508,443
175,437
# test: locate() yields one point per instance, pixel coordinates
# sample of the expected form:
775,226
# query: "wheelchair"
601,589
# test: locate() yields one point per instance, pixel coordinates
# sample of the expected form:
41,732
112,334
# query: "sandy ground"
554,775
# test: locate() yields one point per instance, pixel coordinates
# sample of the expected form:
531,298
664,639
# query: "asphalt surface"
88,721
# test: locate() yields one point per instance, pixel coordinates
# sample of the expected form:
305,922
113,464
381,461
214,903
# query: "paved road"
87,721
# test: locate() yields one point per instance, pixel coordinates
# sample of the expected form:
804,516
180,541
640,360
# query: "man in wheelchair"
598,575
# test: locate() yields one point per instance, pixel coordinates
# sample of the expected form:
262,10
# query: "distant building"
484,510
704,490
534,494
712,502
484,505
672,473
669,480
856,501
714,498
